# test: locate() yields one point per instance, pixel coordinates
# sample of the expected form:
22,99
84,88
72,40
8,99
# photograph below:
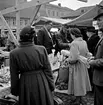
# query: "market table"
4,91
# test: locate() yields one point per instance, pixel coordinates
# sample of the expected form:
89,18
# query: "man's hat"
91,29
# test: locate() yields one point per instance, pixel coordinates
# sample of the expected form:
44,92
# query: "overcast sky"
75,4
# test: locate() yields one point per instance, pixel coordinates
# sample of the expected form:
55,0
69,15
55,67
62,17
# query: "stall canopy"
42,20
86,19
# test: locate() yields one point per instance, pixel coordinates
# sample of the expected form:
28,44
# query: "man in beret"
97,64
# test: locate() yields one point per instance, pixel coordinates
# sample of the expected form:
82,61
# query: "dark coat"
43,38
36,83
92,42
98,64
61,43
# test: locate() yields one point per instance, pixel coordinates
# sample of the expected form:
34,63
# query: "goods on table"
4,77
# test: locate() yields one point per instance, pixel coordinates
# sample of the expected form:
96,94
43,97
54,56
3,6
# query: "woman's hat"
27,33
26,30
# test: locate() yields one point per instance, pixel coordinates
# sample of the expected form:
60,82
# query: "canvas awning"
86,19
42,20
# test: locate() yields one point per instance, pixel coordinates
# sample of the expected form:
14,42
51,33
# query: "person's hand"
91,62
90,58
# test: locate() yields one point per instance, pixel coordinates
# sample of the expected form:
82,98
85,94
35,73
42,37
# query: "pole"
11,33
17,20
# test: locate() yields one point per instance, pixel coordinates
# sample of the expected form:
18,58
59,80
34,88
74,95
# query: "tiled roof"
79,11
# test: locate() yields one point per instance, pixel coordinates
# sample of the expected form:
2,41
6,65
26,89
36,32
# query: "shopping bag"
63,73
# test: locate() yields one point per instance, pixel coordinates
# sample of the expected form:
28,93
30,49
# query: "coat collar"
98,44
47,32
26,44
78,39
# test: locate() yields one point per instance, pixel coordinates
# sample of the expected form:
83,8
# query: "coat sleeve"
40,37
74,53
48,72
61,44
98,62
14,76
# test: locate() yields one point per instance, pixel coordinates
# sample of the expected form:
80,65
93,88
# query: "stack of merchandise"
4,72
4,77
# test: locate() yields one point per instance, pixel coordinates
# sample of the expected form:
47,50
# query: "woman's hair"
27,34
61,31
75,31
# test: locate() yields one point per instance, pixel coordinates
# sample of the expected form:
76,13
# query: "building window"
62,14
21,22
26,22
14,22
48,12
57,13
82,11
7,20
53,13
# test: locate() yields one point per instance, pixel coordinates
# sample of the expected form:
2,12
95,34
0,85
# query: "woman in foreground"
31,75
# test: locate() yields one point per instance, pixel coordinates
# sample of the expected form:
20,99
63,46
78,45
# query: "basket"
7,102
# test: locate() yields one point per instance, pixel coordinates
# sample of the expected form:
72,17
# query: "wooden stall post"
17,20
11,33
35,14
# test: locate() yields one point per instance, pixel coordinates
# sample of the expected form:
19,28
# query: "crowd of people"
31,74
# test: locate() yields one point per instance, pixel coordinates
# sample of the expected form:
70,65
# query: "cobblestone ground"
89,98
64,97
67,98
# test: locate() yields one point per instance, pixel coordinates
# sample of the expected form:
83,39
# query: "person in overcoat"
92,41
30,70
78,83
44,38
97,64
61,40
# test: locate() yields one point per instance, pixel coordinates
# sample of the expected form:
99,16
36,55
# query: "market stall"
42,20
86,19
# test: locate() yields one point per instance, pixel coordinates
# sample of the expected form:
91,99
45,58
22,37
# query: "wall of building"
56,11
47,10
